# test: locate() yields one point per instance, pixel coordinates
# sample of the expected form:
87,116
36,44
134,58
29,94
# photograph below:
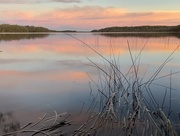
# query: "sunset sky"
89,14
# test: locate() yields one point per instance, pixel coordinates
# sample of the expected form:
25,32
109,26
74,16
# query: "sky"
89,14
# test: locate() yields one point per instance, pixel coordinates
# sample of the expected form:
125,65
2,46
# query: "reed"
118,107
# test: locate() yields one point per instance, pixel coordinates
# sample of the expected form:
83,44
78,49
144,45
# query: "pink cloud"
36,1
16,15
91,17
66,1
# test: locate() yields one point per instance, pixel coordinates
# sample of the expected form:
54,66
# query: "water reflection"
53,69
56,46
142,35
10,37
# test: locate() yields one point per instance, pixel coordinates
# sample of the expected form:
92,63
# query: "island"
18,28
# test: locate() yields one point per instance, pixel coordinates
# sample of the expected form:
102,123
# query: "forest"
140,29
18,28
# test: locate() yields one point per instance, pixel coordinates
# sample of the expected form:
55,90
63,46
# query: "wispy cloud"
90,17
36,1
85,13
66,1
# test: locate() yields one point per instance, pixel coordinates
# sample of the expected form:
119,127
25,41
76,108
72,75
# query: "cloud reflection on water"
53,69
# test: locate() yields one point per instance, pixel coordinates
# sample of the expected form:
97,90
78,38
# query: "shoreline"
87,32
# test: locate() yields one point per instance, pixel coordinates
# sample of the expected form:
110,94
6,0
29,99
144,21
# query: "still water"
40,73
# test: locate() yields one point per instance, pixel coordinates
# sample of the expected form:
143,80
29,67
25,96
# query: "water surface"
40,73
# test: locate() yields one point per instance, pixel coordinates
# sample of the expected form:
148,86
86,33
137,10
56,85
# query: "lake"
40,73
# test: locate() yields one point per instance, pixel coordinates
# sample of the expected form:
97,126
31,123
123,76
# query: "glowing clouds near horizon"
89,17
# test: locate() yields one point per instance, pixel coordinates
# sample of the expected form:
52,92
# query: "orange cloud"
16,15
157,18
36,1
86,12
91,17
98,17
84,17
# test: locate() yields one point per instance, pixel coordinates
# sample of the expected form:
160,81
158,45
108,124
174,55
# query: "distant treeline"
18,28
141,29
